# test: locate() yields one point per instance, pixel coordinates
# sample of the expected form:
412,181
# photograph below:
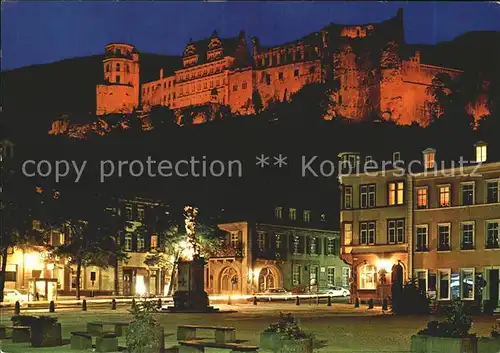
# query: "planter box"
431,344
277,343
46,336
488,345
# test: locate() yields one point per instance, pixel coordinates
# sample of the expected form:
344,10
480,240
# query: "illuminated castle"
367,66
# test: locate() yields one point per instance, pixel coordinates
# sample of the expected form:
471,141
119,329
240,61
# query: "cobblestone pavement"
340,328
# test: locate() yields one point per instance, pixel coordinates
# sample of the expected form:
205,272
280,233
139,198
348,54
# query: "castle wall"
113,99
240,91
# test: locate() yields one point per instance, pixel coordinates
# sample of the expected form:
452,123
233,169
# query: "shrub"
28,320
143,333
288,326
495,331
412,300
457,324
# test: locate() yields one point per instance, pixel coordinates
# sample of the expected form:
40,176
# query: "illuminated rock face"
363,64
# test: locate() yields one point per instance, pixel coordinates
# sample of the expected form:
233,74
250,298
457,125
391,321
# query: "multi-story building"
294,252
367,66
439,225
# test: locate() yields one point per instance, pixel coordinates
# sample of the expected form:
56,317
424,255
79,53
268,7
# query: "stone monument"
190,295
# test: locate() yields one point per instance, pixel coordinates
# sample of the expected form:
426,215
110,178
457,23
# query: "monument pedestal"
191,296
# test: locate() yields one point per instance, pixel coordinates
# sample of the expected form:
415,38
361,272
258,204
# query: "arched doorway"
268,279
396,286
397,275
229,281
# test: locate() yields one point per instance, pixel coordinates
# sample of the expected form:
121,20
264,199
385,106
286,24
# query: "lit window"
467,192
467,235
313,245
278,241
140,242
367,233
278,212
280,76
367,277
396,193
235,239
296,73
117,67
261,241
481,152
422,198
422,238
492,191
154,242
235,87
330,246
244,85
292,214
307,216
313,276
444,284
128,211
429,159
118,79
444,196
323,217
128,242
296,244
140,213
330,275
395,231
348,197
421,276
492,234
347,233
296,274
444,237
467,279
367,193
346,275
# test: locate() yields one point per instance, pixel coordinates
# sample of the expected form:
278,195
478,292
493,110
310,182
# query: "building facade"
259,256
390,82
440,226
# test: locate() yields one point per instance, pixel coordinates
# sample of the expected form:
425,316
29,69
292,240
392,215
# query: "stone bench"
195,346
222,334
105,341
21,334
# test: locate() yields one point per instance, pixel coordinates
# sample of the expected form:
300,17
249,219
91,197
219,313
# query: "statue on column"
190,214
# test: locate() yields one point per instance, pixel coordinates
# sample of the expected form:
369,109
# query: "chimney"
161,74
481,151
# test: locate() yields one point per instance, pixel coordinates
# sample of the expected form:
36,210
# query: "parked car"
14,295
336,292
274,294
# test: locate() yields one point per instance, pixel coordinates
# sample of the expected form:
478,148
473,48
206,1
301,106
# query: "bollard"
17,308
297,300
52,307
84,305
113,304
254,300
229,300
159,303
329,301
384,304
133,303
370,304
317,300
356,303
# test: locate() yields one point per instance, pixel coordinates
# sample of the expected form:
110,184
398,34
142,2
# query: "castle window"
169,96
244,85
211,84
164,85
173,95
117,78
205,84
280,76
169,84
268,79
296,73
235,87
107,68
127,68
117,67
198,86
312,69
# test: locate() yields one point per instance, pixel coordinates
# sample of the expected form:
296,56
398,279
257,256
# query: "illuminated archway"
269,277
229,281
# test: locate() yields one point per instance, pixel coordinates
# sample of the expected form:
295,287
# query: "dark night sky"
35,33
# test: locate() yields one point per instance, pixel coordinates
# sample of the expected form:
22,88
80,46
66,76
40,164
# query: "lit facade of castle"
367,66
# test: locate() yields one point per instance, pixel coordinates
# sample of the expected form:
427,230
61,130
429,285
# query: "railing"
228,251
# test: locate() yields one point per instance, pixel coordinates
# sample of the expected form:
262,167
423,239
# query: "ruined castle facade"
368,68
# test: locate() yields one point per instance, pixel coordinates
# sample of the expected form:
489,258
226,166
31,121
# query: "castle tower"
119,92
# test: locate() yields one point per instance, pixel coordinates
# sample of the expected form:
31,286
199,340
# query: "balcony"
228,251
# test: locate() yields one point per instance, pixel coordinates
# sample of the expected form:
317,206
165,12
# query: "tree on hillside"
311,103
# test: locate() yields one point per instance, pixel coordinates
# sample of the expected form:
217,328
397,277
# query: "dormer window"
396,157
429,158
481,151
